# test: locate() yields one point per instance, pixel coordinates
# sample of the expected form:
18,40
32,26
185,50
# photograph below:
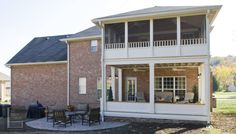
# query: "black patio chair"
93,116
60,118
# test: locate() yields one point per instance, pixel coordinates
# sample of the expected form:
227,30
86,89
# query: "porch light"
198,76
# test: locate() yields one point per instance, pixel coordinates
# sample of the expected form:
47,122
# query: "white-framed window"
175,84
82,85
99,87
94,45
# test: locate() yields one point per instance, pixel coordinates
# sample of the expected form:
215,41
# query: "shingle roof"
156,9
42,49
92,31
4,77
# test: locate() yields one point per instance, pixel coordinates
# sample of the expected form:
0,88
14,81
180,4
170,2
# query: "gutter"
36,63
81,38
68,74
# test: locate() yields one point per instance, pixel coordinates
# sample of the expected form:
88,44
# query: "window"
94,45
158,83
99,87
82,85
175,84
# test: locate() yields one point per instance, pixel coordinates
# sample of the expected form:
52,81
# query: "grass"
224,94
226,106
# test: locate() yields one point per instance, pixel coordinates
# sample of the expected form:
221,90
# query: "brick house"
5,88
153,63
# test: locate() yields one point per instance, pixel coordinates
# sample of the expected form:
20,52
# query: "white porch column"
200,89
207,86
151,36
151,87
103,71
126,38
120,84
113,82
178,35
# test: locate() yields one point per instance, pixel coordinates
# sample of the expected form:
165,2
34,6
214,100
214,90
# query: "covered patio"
158,90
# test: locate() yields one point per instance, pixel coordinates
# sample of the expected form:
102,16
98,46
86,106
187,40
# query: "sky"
22,20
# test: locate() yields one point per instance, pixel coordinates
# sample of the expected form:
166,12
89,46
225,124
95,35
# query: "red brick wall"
45,83
143,78
84,63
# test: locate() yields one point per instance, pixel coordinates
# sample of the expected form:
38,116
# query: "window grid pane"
158,83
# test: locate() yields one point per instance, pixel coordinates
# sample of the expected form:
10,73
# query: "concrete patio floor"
42,124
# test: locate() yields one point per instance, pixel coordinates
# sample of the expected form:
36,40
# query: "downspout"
102,72
68,74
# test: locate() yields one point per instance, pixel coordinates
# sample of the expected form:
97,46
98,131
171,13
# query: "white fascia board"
157,14
81,38
36,63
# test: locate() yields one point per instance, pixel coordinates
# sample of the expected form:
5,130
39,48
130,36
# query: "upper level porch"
160,37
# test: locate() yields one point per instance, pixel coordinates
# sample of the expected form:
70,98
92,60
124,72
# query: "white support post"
151,87
200,89
207,34
113,82
179,35
68,75
120,84
207,86
151,36
103,71
126,39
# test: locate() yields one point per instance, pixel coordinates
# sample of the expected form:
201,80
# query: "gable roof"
4,77
154,10
42,49
92,32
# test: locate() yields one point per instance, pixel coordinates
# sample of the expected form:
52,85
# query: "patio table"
74,114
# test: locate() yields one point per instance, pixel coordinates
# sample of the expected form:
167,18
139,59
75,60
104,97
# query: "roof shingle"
42,49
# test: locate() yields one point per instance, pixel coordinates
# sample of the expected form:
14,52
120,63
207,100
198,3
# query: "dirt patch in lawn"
224,122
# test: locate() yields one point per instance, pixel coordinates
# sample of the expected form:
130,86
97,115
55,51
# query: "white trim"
113,82
157,116
157,60
82,38
36,63
120,84
126,39
151,87
68,74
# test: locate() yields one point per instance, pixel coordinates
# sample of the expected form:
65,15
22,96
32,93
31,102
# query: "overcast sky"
22,20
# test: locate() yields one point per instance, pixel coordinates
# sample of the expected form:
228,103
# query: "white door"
131,88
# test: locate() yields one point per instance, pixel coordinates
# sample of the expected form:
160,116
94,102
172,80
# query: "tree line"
224,72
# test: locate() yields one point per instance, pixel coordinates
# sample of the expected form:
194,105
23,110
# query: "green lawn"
226,106
223,94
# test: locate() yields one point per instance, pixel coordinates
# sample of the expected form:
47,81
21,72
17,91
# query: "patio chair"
82,107
49,113
188,98
93,116
16,117
60,118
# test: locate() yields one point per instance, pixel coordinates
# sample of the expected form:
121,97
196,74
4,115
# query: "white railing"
158,43
193,41
114,45
164,43
139,44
